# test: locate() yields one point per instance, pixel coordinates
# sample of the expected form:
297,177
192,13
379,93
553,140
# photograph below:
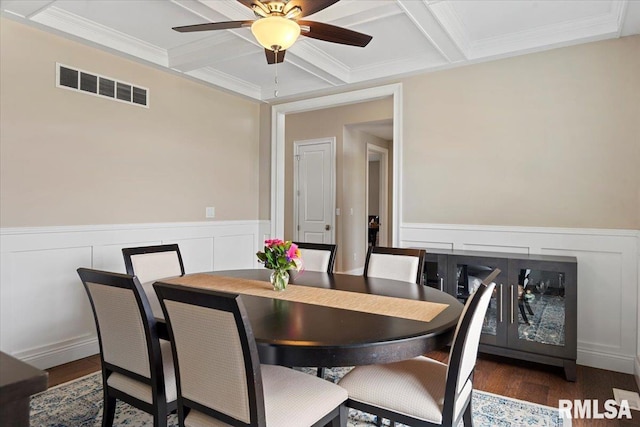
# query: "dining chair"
151,263
395,263
137,366
219,375
317,256
422,391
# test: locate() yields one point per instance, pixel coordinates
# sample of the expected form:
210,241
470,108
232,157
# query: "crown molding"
234,84
80,27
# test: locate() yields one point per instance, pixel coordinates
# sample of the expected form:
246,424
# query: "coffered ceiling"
409,36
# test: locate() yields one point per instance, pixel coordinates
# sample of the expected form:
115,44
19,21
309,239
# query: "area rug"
79,404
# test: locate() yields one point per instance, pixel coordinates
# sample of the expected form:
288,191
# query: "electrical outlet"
210,212
355,256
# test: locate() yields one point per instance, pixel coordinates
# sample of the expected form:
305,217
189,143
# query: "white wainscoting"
607,277
45,317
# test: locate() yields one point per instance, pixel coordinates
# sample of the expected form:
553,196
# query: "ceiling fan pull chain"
275,92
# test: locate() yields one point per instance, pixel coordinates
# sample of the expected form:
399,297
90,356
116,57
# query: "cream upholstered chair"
137,367
423,391
317,256
220,379
151,263
395,264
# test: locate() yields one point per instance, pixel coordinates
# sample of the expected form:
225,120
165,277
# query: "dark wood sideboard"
533,312
18,381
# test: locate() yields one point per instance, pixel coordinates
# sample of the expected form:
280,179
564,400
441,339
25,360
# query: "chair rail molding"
45,317
608,278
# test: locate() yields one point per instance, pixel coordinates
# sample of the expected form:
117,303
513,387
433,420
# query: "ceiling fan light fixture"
276,32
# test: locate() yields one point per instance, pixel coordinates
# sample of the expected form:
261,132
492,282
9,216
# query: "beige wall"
70,159
350,166
546,139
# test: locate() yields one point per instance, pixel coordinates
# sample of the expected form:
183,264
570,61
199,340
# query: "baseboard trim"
60,353
611,362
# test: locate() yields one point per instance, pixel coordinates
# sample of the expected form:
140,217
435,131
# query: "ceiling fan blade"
331,33
228,25
308,7
271,56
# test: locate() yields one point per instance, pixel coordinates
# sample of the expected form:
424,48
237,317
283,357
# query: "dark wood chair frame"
160,409
233,304
450,396
127,253
321,247
418,253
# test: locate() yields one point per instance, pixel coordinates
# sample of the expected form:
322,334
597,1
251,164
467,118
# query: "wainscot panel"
45,317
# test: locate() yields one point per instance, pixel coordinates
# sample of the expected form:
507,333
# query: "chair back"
395,263
464,350
150,263
126,328
216,357
317,256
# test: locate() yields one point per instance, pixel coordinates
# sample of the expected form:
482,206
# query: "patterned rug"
79,404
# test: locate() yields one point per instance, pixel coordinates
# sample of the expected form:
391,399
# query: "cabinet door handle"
500,304
442,283
511,303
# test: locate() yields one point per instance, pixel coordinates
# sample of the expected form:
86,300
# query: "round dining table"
299,334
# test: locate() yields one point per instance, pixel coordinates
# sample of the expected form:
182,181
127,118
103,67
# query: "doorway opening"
278,116
377,184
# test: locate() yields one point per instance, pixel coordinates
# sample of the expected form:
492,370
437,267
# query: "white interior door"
314,190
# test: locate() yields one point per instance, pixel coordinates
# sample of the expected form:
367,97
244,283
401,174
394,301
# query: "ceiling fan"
278,26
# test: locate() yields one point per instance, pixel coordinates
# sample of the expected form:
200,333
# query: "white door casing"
278,114
314,190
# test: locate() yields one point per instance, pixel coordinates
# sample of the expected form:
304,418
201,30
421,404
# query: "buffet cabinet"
533,310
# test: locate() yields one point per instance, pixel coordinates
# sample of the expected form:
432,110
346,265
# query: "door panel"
314,192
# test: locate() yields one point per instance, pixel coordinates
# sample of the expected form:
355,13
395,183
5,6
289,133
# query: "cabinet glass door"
468,274
435,272
539,306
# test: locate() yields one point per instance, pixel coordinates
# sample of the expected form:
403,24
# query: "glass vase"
279,279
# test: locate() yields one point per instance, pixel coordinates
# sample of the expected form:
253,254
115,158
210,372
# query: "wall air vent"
104,87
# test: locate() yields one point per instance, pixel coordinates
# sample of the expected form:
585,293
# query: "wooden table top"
299,334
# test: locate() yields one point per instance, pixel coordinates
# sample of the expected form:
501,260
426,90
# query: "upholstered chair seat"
285,392
143,391
414,386
422,391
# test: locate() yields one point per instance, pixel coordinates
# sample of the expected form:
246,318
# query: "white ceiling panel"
409,36
399,39
497,18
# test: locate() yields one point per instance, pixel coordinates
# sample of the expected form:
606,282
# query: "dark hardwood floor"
516,379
